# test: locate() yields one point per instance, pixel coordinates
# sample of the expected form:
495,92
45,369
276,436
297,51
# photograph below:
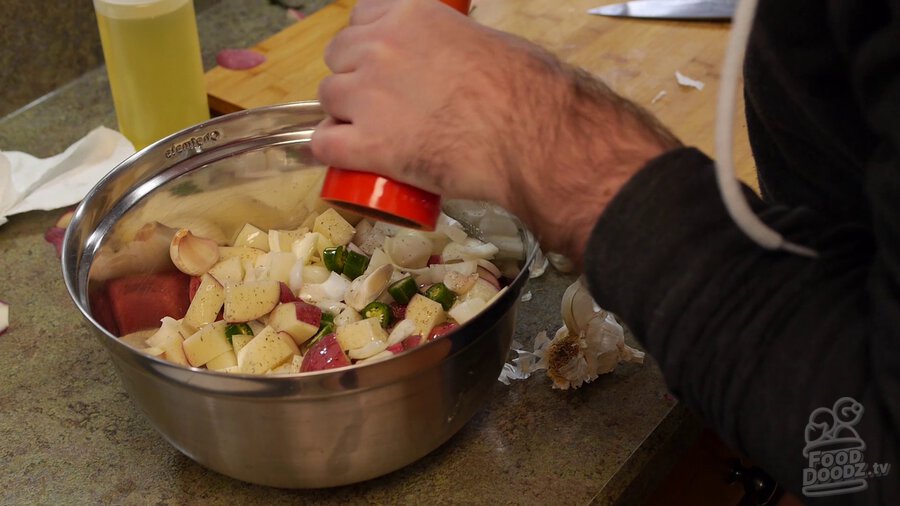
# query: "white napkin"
28,183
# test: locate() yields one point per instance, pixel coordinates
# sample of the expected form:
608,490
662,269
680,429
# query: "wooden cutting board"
637,58
293,66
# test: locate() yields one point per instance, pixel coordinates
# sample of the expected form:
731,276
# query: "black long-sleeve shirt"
756,340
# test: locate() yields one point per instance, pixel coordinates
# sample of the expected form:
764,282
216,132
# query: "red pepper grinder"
381,198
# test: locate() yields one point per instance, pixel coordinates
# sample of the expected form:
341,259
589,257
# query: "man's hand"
424,95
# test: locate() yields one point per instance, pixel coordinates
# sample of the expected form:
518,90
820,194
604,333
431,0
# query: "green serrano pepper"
334,258
439,293
355,264
379,310
233,329
403,290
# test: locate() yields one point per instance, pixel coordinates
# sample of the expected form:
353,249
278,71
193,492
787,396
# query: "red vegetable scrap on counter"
239,59
295,14
55,234
4,317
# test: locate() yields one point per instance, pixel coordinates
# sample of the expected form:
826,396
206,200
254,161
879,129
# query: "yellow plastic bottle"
152,54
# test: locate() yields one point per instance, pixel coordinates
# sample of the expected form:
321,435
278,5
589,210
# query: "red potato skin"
308,313
440,330
325,354
435,259
398,311
140,302
396,348
411,342
286,294
55,235
193,287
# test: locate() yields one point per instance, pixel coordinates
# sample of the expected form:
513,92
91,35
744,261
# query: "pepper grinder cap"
380,198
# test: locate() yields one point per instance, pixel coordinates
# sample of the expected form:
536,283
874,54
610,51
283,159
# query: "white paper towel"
28,183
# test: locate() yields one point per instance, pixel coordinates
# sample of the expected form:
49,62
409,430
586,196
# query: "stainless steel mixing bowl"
313,430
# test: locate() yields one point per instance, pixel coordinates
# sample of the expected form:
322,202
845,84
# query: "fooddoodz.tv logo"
836,452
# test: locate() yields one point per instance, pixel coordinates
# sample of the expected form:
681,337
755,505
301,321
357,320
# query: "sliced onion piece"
508,246
369,350
471,249
460,283
295,277
435,273
367,237
489,277
378,357
403,329
451,228
329,306
304,248
347,316
332,289
490,267
408,249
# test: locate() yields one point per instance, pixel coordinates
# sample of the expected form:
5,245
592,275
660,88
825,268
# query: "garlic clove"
191,254
578,307
368,287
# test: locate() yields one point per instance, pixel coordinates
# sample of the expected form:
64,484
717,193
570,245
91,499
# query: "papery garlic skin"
590,343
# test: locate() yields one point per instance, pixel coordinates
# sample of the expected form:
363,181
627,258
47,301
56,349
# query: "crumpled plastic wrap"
590,343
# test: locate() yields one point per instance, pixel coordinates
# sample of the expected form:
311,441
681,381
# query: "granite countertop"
70,434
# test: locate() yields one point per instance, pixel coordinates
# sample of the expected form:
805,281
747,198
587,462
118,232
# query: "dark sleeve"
756,340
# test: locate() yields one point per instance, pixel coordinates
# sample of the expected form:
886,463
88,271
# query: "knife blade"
690,10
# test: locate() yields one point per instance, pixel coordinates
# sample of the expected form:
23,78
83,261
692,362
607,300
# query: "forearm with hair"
595,141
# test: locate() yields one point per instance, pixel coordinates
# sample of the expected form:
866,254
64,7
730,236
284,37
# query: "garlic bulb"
590,343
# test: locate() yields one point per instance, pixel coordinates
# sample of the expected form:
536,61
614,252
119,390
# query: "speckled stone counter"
70,435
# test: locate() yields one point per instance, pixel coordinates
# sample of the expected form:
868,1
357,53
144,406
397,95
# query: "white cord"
732,196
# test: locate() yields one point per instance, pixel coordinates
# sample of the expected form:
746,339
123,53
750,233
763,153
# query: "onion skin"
239,59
